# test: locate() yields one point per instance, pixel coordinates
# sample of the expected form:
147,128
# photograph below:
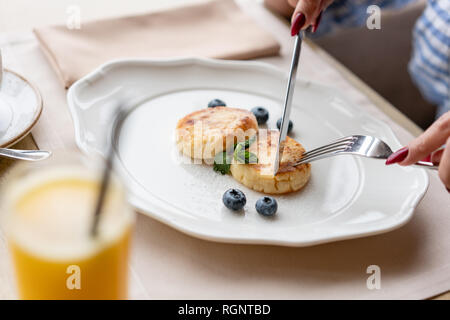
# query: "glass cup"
47,215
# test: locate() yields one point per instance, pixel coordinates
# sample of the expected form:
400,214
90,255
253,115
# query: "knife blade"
288,99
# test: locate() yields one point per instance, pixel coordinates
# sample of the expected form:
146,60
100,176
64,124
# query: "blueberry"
289,126
216,103
234,199
261,114
267,206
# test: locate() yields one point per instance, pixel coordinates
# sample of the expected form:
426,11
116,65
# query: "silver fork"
365,146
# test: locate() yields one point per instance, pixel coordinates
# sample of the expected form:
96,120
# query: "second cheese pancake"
260,176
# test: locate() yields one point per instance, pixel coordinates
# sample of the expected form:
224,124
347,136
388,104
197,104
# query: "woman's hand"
306,13
427,144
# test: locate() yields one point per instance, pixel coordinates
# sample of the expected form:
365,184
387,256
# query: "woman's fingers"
306,13
310,8
428,143
437,156
444,166
434,137
293,3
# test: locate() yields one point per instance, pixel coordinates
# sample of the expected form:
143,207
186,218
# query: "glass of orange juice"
47,214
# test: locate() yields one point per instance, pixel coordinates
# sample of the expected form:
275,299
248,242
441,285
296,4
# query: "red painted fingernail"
448,190
316,25
298,23
427,158
397,156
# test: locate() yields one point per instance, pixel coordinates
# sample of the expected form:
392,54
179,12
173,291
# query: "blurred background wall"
380,57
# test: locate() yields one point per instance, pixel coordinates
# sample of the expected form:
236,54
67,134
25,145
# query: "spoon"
30,155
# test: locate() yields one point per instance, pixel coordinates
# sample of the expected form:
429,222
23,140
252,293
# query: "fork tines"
332,148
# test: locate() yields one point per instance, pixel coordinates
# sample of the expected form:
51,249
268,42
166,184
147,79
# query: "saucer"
20,108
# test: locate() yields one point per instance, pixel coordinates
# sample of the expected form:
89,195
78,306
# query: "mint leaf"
247,143
238,150
222,160
222,163
250,157
244,156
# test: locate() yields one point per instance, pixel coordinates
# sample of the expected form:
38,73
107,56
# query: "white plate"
347,197
20,108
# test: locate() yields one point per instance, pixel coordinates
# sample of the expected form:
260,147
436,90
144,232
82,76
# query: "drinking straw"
106,175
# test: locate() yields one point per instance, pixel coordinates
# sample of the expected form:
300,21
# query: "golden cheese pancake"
259,176
204,133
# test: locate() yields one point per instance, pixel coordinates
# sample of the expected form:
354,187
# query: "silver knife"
289,94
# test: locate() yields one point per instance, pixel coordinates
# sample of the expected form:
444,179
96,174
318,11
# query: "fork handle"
421,164
426,165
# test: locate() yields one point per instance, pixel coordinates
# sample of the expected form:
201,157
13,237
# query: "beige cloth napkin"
218,29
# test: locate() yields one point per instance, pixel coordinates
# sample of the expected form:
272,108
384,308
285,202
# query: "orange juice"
55,256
